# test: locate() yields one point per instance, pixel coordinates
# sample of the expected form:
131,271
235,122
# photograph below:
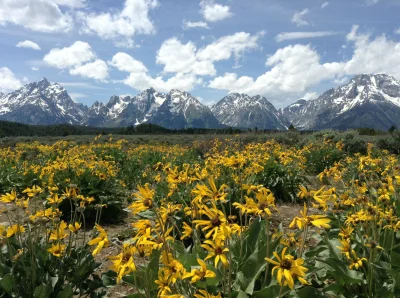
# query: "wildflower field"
206,220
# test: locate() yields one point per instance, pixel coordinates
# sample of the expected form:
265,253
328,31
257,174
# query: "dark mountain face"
366,101
241,110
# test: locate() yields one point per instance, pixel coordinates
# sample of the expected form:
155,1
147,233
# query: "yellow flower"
32,191
264,201
124,263
144,199
75,227
356,262
346,247
200,274
173,268
163,283
210,192
187,231
318,221
216,222
57,249
101,240
288,269
60,232
54,199
216,249
9,197
14,229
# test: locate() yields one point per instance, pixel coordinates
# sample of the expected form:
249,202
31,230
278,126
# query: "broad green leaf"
66,292
308,292
271,291
43,291
152,269
239,294
7,283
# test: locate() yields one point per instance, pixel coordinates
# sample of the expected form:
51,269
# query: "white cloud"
310,95
298,18
380,55
8,81
371,2
35,68
296,68
71,3
141,81
397,31
186,58
177,57
189,25
82,85
302,35
325,4
226,46
97,70
124,62
37,15
78,53
28,44
123,25
76,96
214,12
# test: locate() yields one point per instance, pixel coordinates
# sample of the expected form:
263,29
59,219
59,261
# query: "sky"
281,49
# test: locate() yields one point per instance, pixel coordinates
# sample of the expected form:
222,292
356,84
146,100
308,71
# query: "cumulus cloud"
122,25
28,44
325,4
141,81
78,53
296,68
214,12
8,81
310,95
303,35
298,18
188,25
79,59
186,58
35,68
97,70
71,3
37,15
124,62
397,31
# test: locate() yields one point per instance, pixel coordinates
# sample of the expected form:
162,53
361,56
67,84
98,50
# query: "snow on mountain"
41,103
241,110
182,110
366,101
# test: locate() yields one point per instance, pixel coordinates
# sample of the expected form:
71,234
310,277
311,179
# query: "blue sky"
281,49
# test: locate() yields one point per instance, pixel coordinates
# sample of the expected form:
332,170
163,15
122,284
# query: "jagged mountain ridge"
41,103
366,101
243,111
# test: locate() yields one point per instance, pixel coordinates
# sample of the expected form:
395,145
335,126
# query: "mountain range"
366,101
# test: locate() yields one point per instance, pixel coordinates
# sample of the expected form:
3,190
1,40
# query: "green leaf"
66,292
109,278
341,273
7,283
239,294
308,292
152,269
43,291
271,291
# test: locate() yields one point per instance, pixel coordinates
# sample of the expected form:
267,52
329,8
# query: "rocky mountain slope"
243,111
41,103
366,101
